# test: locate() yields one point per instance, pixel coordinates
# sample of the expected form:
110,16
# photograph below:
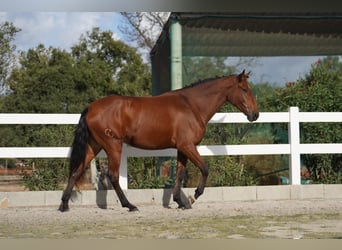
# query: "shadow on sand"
102,202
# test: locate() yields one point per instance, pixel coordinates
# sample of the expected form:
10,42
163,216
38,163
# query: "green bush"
144,173
225,171
47,175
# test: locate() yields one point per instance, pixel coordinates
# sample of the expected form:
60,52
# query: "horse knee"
113,178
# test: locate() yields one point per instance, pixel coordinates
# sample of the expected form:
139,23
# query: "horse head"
243,98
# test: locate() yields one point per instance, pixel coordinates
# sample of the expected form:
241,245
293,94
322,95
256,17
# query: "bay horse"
175,119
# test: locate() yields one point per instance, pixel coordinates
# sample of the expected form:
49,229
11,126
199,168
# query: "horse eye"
244,90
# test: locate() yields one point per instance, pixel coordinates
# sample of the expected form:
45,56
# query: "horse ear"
240,76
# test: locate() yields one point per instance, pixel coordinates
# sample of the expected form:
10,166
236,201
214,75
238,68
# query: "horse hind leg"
64,206
114,158
92,151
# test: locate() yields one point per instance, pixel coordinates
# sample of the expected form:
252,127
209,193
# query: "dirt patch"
294,219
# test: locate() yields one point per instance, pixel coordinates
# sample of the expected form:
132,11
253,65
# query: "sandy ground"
290,219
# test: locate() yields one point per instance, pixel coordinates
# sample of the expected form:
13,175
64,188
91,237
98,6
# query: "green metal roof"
261,35
252,34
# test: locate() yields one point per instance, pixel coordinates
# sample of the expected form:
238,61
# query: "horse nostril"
256,116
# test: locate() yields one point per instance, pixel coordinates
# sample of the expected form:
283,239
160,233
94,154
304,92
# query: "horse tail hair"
79,145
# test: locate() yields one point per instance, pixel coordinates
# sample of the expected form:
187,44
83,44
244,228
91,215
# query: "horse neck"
208,98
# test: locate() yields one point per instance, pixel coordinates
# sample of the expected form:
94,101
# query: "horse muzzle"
252,116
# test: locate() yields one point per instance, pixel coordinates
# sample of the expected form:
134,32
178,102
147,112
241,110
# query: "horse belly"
151,138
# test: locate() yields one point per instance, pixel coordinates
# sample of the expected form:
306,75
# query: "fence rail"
294,148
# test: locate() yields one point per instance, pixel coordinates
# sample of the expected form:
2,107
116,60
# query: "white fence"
294,148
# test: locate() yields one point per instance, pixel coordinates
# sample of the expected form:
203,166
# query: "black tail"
79,145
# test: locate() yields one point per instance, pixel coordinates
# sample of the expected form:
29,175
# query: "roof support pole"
176,54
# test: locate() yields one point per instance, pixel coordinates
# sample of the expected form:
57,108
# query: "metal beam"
176,54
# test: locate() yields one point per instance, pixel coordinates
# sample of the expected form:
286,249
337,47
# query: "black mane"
199,82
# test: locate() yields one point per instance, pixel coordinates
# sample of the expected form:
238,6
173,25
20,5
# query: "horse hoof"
133,209
63,208
198,193
182,207
191,200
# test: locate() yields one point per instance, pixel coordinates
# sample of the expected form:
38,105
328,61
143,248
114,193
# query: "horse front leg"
191,152
180,173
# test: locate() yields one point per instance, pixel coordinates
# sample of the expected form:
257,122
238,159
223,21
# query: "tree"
50,80
7,51
143,28
56,81
130,75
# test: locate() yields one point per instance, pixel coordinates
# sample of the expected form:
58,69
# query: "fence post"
123,168
294,141
94,176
